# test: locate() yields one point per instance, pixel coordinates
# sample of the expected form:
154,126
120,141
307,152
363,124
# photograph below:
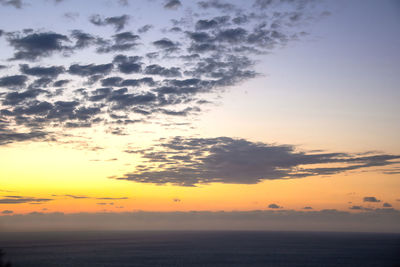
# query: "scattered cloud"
200,61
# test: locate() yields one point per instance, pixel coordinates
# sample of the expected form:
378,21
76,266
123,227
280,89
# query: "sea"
199,248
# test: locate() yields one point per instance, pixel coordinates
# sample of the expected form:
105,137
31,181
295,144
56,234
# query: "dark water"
200,249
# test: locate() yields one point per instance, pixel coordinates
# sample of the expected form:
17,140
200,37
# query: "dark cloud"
356,208
2,67
36,45
13,81
40,83
162,71
83,39
172,4
10,136
119,22
122,100
7,212
52,71
371,199
274,206
207,24
217,4
121,42
21,200
145,28
14,98
111,81
14,3
234,35
128,65
387,205
228,160
307,208
60,83
91,69
166,44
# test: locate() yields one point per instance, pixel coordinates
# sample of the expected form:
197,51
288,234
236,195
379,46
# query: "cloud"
190,161
7,212
9,136
52,72
145,28
14,98
356,208
14,3
22,200
172,4
36,45
123,41
13,81
128,65
216,4
60,83
90,70
166,45
156,69
274,206
307,208
119,22
371,199
387,205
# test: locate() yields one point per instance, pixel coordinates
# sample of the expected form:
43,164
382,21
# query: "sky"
209,114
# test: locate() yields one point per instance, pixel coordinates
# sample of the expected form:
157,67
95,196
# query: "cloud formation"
190,161
173,75
22,199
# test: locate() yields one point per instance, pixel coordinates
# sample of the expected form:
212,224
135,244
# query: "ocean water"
87,249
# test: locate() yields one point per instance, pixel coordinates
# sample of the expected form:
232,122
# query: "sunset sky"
225,108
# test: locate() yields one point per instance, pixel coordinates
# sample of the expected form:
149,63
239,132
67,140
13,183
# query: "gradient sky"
141,109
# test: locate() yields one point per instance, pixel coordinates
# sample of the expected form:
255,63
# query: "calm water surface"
200,249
